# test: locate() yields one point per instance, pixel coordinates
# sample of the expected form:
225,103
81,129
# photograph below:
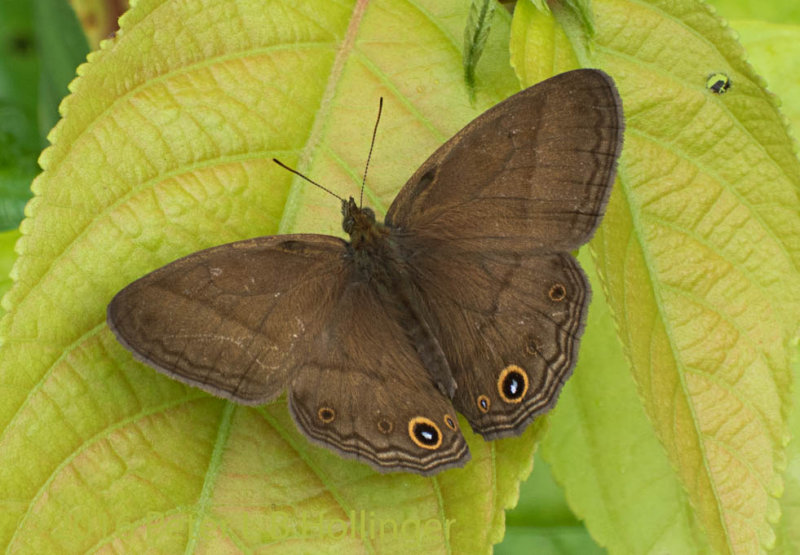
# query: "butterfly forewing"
532,173
233,319
487,224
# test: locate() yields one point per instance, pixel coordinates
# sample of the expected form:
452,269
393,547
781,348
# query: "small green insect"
718,83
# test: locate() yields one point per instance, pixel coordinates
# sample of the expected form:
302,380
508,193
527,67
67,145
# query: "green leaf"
774,50
699,255
17,169
165,148
542,522
38,56
19,140
788,529
776,11
625,488
580,12
538,44
18,72
7,257
62,46
475,34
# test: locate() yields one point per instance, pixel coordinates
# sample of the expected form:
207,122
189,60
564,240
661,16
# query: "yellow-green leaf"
623,484
165,148
774,50
699,255
776,11
7,258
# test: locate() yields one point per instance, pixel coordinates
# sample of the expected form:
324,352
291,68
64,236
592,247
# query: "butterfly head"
357,222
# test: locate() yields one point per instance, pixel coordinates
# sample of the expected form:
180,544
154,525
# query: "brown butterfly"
465,299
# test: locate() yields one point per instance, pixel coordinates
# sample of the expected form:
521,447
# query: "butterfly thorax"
370,248
383,267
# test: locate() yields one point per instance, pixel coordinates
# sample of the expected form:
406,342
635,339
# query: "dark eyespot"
484,403
450,422
718,83
512,384
385,426
326,415
557,293
424,432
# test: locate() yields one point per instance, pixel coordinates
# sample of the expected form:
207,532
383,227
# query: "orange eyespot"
326,415
484,404
385,426
424,432
512,384
557,293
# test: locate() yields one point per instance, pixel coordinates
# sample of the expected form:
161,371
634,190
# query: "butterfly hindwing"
510,329
364,392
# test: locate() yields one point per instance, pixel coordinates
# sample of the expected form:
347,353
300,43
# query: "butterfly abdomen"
425,342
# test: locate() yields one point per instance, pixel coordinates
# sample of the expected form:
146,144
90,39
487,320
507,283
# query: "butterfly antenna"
284,166
369,156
